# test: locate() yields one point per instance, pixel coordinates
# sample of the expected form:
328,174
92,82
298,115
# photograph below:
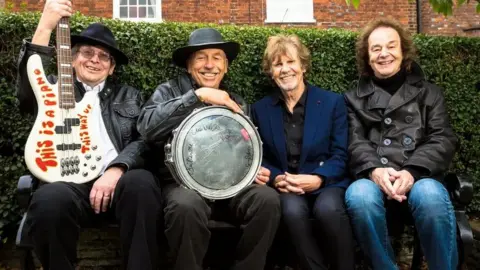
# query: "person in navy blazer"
305,134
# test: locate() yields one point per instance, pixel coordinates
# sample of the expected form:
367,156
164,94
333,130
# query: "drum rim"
179,138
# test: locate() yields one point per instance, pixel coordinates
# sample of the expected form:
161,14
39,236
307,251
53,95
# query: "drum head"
217,152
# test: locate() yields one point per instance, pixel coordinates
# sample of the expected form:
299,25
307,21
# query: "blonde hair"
281,45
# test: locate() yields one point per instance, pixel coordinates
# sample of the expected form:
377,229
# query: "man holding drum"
256,208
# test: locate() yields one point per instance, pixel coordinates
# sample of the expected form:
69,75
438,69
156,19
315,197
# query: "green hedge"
451,62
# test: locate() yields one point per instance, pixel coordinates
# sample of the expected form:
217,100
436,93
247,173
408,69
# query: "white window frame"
289,11
158,12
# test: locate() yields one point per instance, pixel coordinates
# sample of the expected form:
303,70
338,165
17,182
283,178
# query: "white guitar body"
63,144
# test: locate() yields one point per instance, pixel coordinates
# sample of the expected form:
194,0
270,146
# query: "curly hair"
283,44
408,49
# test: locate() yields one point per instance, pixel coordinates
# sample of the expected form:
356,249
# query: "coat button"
407,140
320,164
408,119
388,120
384,160
387,142
131,111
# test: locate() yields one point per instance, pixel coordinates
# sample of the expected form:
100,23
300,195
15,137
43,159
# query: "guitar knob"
94,147
87,156
62,162
85,174
98,158
93,167
77,161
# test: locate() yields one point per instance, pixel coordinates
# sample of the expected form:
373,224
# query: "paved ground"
98,250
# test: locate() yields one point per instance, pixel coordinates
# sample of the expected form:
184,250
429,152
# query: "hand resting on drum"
217,97
263,176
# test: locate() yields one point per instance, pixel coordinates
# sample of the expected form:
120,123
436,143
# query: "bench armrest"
26,185
460,188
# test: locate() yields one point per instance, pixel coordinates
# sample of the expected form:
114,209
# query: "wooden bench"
225,235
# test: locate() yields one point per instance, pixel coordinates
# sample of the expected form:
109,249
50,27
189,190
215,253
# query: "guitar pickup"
67,128
71,122
68,146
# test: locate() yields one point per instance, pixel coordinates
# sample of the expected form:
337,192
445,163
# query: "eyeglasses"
90,53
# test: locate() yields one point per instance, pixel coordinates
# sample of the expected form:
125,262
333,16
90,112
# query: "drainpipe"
419,16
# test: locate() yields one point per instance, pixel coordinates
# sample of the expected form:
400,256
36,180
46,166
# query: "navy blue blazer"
325,136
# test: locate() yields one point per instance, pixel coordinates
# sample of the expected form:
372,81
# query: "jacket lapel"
276,124
404,95
313,119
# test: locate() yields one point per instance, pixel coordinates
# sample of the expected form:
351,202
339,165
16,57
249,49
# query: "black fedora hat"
205,38
98,34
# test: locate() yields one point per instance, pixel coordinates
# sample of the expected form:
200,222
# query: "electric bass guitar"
63,144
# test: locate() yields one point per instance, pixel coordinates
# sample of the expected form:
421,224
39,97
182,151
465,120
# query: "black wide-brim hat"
97,34
205,38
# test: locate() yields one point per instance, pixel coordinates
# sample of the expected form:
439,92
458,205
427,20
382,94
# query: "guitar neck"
64,61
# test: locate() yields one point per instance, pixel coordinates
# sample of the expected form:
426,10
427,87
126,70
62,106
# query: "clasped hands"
392,182
290,183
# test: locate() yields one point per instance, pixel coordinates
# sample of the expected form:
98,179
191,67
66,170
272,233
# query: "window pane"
142,2
151,2
289,11
123,2
132,2
123,12
151,12
133,12
142,12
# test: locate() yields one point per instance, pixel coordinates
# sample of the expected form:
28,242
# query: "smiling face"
287,71
208,67
92,64
385,52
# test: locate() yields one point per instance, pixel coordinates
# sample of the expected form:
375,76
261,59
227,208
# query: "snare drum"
214,151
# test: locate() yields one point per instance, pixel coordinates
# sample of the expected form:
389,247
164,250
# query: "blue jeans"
432,212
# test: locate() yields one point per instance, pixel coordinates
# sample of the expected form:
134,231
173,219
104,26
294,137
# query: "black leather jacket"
169,105
120,107
409,129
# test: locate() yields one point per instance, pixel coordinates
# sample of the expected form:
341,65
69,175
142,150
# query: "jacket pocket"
127,114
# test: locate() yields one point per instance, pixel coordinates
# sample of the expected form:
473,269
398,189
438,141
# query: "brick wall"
463,17
327,13
2,3
101,8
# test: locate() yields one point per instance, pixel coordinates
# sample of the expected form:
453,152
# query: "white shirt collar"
96,88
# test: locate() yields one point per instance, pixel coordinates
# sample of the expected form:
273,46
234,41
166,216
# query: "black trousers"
58,211
328,236
256,209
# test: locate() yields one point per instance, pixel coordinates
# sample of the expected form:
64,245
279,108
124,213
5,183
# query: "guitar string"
71,110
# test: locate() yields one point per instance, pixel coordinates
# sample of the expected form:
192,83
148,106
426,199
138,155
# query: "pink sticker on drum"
245,135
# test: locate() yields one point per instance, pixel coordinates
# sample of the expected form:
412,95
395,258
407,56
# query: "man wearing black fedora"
256,209
58,210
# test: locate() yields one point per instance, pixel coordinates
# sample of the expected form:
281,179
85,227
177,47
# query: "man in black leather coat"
256,209
58,210
401,144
